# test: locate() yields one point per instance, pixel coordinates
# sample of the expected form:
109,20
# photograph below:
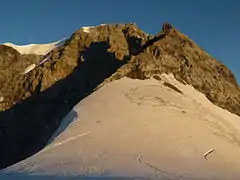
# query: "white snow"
44,60
86,29
50,147
138,36
142,128
29,68
39,49
102,25
66,123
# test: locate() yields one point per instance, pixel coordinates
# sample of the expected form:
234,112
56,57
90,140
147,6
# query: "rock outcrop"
173,52
12,64
34,103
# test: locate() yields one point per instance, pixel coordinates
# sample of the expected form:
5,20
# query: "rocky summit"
34,102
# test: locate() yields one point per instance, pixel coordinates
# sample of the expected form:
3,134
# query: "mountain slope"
144,129
104,49
35,103
176,53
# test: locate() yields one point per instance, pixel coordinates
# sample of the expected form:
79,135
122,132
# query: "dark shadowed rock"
35,103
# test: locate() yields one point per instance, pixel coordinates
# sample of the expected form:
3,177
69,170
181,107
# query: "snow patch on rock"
86,29
39,49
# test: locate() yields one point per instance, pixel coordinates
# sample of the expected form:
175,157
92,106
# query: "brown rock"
88,60
176,53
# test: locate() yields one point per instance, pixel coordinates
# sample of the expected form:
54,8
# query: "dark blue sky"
214,25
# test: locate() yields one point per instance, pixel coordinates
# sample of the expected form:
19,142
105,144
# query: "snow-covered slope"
142,128
39,49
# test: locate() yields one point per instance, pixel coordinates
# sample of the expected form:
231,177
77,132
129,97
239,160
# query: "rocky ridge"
34,103
176,54
12,64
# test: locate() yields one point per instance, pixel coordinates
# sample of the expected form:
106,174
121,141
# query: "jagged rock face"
12,64
173,52
36,102
46,94
92,50
8,57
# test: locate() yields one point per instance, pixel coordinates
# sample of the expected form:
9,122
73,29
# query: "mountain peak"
166,28
93,57
142,55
